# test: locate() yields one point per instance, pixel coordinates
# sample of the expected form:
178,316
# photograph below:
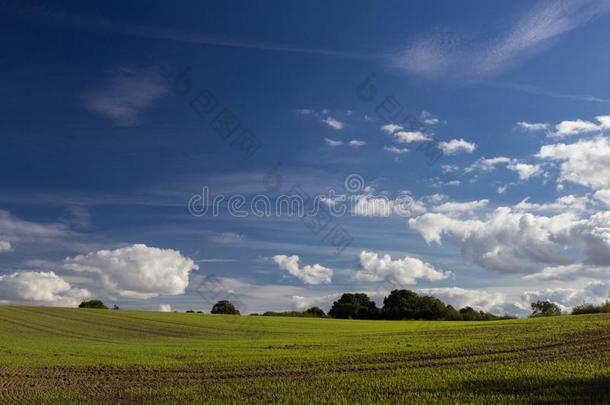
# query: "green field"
76,355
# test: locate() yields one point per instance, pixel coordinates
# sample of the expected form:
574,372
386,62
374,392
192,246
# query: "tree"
224,307
431,308
115,307
315,312
355,306
469,314
400,304
405,304
452,314
545,308
95,304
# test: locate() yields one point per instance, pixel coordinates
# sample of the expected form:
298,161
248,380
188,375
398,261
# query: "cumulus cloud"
39,288
449,168
5,246
561,204
405,271
586,162
126,93
577,127
478,299
356,143
533,126
333,123
395,150
410,136
165,308
391,128
333,142
595,292
569,128
506,241
603,196
488,164
524,170
513,241
370,205
459,207
455,146
309,274
136,271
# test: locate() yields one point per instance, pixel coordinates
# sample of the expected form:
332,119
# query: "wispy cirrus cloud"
456,56
126,93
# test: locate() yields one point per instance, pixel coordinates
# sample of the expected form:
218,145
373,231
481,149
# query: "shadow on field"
595,390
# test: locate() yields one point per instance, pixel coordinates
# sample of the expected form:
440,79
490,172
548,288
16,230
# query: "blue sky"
476,134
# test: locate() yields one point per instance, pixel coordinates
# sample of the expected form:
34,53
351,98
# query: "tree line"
398,305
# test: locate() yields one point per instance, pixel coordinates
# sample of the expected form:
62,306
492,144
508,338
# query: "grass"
78,355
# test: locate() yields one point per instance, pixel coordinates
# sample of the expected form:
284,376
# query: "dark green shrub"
224,307
94,304
545,308
354,306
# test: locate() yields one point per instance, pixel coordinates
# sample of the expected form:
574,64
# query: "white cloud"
586,162
533,126
524,170
165,308
449,168
370,205
136,271
39,288
477,299
561,204
126,93
489,164
512,241
332,142
333,123
572,272
603,196
428,119
460,207
506,241
455,146
577,127
395,150
405,271
467,56
356,143
301,303
309,274
391,128
410,136
595,292
13,229
5,246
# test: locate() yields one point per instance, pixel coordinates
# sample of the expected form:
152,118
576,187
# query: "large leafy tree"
224,307
545,308
405,304
95,304
355,306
